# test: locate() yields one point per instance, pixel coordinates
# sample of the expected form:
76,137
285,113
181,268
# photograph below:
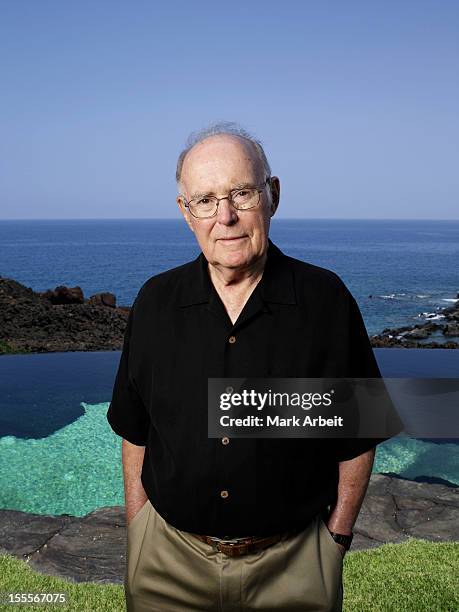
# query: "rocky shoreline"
56,320
93,547
445,324
62,319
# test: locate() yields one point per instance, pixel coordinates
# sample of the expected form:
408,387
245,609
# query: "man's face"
232,238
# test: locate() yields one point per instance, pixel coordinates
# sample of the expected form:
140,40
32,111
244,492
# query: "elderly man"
235,523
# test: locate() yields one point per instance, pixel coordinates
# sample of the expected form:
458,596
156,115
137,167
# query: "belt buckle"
218,546
230,542
218,542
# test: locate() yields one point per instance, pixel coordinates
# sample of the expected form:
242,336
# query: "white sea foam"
392,296
432,316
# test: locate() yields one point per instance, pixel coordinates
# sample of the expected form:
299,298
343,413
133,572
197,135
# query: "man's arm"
134,493
354,476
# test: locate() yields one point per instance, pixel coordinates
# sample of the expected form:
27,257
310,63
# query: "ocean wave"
392,296
432,316
414,296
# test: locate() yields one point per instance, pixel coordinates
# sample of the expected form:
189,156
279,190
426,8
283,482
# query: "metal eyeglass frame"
229,198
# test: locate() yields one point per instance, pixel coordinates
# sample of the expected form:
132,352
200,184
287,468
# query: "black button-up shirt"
300,321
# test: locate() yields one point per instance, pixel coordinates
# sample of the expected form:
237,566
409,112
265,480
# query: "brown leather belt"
239,546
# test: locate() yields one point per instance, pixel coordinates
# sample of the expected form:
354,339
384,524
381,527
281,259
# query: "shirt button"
224,494
225,440
229,389
232,339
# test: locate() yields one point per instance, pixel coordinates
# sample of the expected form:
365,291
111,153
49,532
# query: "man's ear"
184,210
275,194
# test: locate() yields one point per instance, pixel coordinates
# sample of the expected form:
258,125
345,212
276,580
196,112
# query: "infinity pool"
59,455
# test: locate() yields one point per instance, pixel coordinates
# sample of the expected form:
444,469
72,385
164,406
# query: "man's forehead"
221,150
225,142
215,162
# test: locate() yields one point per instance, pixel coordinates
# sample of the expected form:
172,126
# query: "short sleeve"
362,363
127,414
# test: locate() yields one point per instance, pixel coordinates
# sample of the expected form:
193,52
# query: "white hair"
221,127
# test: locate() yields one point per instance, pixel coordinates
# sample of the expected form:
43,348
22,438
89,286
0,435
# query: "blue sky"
356,103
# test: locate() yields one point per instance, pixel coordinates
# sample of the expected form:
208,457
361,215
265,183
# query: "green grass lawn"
415,576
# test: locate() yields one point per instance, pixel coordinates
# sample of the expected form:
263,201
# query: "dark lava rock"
451,329
89,548
395,509
103,299
415,336
417,333
93,547
30,322
64,295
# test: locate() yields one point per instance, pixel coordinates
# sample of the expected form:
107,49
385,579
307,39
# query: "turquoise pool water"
59,455
78,468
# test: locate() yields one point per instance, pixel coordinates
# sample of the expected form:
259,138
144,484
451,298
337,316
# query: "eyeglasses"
206,206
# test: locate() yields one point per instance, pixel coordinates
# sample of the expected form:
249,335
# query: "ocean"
61,456
398,271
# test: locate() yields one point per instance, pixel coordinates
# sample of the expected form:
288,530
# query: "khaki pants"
169,570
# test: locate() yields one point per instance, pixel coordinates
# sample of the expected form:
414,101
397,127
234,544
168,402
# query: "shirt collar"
276,284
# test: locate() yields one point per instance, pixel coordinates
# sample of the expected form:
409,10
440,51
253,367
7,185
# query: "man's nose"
226,213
